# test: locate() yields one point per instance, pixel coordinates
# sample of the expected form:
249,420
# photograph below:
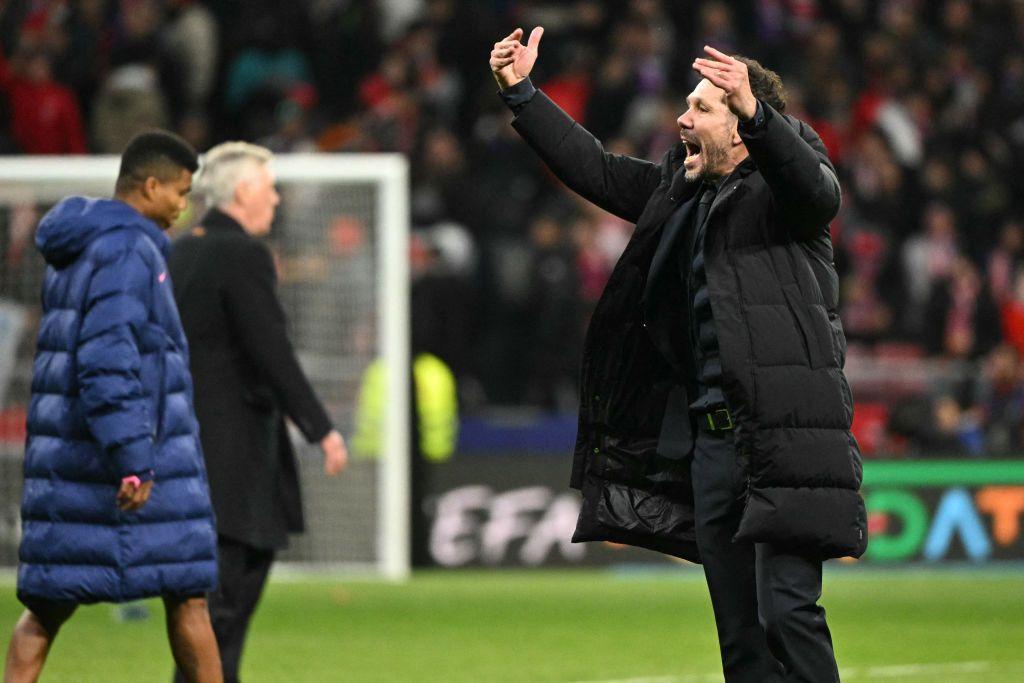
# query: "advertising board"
516,510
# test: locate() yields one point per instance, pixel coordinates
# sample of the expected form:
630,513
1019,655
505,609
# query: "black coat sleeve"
258,322
792,160
618,184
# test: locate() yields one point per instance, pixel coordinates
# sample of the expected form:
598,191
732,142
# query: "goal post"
340,239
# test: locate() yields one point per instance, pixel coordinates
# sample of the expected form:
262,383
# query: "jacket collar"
680,189
218,221
132,217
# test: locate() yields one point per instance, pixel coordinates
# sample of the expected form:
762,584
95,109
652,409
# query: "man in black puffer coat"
715,416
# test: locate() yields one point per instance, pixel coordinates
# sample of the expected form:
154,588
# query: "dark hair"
764,83
157,154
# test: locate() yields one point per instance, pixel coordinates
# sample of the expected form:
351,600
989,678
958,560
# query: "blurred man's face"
707,128
38,69
168,199
258,200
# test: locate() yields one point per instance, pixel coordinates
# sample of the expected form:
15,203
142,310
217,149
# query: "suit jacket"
247,379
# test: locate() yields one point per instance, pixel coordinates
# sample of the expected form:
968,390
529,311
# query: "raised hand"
730,75
511,61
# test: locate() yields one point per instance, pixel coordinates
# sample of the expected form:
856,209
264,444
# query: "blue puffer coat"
111,397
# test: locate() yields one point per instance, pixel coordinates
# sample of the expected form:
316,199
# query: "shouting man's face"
708,129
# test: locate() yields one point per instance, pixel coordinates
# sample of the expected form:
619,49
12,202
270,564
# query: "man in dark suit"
714,413
247,379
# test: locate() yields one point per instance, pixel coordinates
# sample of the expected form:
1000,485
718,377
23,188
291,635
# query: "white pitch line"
705,678
854,673
689,678
932,669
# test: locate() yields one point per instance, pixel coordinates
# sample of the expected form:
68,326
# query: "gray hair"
223,167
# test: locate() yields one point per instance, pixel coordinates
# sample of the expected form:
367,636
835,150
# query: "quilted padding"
111,397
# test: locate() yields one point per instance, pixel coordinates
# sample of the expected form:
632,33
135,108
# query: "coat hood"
70,226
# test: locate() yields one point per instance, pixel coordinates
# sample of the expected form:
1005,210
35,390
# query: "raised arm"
802,179
617,183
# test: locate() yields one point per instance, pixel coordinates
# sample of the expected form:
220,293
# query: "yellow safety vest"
437,408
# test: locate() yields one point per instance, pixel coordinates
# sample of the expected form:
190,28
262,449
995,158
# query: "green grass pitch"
565,626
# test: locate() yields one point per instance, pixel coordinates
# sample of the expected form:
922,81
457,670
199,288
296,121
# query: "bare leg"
192,642
31,641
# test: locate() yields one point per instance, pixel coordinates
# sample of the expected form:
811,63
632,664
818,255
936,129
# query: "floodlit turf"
565,626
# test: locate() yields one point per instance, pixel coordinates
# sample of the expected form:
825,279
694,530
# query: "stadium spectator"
442,186
592,266
951,431
550,313
44,115
292,118
962,319
347,44
191,38
870,286
1005,260
86,54
1001,402
115,505
264,71
877,185
130,100
439,88
928,260
718,28
613,92
572,85
443,305
247,380
1012,313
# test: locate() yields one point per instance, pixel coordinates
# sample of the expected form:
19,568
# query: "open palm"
511,61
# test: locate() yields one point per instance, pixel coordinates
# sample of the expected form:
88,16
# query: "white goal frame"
48,178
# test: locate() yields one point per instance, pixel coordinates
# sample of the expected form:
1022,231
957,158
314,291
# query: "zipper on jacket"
161,381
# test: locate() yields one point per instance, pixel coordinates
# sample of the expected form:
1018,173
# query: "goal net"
340,242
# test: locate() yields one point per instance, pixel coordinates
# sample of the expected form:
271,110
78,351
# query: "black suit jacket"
246,378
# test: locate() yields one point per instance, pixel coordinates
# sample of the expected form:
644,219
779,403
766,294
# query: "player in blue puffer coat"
116,505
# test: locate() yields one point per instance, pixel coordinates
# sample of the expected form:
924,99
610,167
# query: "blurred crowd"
921,105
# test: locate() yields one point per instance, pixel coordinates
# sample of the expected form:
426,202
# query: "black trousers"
243,572
770,627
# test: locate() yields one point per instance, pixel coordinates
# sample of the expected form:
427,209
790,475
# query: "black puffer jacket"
774,294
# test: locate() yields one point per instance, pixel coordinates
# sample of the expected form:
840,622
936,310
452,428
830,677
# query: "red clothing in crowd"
571,93
45,118
1013,324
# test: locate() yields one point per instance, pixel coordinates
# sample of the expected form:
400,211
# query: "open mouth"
692,151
